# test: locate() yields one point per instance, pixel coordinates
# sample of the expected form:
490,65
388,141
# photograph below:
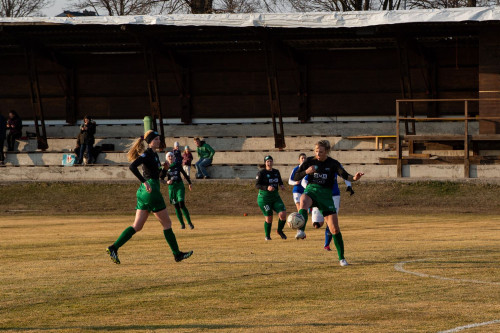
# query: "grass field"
408,273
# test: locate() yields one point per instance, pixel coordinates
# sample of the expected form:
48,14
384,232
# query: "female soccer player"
322,170
176,191
318,219
149,198
268,181
298,189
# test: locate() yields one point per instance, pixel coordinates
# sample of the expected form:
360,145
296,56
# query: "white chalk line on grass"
461,328
399,267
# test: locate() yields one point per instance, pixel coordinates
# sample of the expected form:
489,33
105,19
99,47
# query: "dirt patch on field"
239,197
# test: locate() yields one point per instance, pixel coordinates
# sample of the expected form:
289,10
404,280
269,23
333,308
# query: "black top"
267,178
3,127
151,166
174,172
325,174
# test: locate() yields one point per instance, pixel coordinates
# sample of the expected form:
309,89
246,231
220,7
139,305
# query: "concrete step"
122,173
305,143
328,128
221,157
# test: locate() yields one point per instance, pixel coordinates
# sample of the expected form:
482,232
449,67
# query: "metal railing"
465,119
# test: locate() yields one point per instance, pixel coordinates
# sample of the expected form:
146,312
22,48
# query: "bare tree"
119,7
19,8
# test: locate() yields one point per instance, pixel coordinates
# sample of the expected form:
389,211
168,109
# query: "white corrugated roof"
289,20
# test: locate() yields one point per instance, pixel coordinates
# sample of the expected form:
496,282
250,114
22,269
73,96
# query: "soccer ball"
295,220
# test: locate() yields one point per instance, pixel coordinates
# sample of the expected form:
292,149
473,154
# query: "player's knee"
282,216
182,205
137,227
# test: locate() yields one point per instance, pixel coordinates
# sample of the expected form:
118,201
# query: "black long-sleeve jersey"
151,166
325,174
267,178
173,172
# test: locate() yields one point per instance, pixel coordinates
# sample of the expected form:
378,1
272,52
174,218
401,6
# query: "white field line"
400,267
461,328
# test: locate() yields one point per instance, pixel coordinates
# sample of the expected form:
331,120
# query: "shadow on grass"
181,326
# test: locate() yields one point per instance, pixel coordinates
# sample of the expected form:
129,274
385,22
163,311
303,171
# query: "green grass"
56,276
237,198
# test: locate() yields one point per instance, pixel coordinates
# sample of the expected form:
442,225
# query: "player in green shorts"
268,181
149,197
176,191
322,171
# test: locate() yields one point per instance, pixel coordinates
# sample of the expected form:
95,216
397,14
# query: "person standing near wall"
3,133
15,126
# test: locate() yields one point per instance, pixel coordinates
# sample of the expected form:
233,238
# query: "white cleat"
343,262
300,234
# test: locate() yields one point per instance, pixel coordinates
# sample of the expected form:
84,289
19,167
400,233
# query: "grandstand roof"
281,20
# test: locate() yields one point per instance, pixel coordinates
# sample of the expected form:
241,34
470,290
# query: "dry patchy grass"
57,277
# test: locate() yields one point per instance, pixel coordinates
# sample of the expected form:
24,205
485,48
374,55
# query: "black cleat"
281,233
183,255
191,226
113,253
183,226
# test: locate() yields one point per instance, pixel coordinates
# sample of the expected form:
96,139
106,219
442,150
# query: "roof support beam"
273,90
36,102
154,96
405,81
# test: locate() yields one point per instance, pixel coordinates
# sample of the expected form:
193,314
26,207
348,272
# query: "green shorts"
321,197
176,192
152,202
267,205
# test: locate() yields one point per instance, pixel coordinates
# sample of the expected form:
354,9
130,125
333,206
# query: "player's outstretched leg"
301,232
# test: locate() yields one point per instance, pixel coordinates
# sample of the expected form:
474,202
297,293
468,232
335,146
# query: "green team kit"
177,191
269,200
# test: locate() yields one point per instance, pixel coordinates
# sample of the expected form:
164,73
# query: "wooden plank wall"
489,78
361,82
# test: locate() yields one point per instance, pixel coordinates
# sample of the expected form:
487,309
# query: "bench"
378,139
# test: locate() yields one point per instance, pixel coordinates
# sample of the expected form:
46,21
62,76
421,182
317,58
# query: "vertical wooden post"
466,142
398,144
274,95
36,102
154,96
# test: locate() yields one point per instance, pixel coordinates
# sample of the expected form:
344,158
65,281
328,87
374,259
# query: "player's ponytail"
137,147
325,144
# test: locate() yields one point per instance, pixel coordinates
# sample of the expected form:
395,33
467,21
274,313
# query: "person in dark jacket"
87,132
15,126
3,133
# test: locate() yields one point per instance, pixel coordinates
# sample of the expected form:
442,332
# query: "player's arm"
186,177
134,167
301,172
260,184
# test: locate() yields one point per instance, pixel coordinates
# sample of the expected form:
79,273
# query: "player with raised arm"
149,197
322,171
268,183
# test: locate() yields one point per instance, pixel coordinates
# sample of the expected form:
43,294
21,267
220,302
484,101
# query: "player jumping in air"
149,197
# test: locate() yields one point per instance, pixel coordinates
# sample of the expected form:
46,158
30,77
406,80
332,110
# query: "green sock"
303,212
267,228
172,242
124,237
281,224
179,215
339,244
186,214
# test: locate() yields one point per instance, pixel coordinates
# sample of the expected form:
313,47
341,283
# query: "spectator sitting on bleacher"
206,154
15,126
187,158
87,132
